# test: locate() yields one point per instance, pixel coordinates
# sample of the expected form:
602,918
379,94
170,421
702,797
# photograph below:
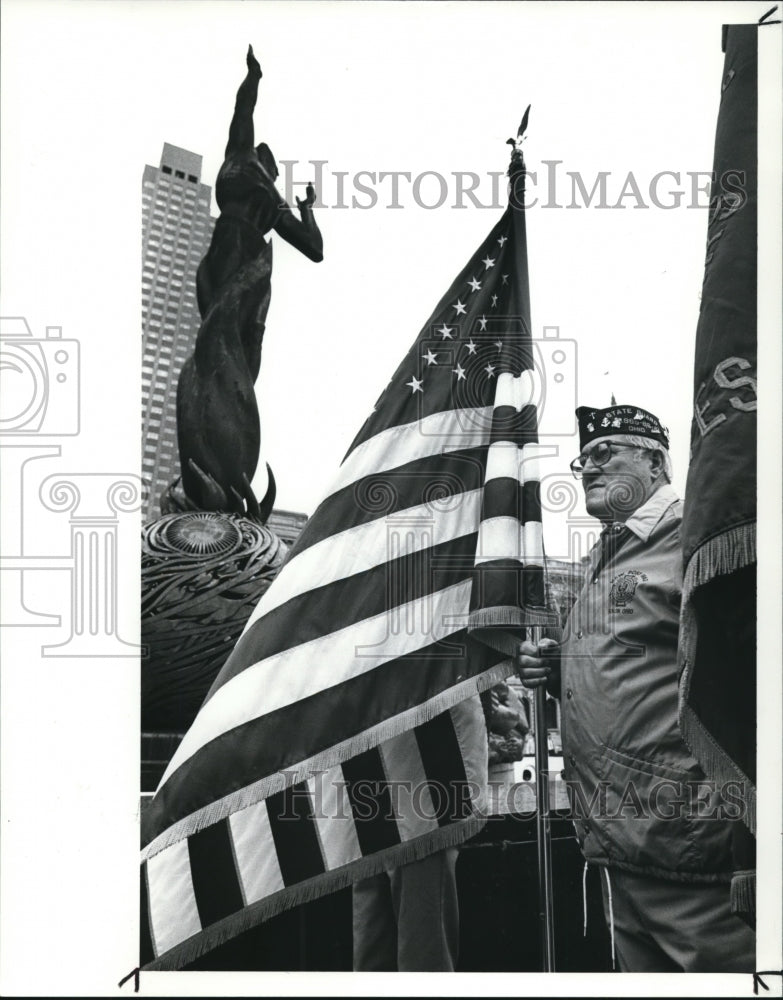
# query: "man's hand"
539,665
309,201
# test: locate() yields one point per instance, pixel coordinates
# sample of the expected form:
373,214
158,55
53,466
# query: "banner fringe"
728,552
743,894
386,730
250,916
716,763
725,553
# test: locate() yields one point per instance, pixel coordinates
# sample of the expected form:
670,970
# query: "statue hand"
252,62
309,201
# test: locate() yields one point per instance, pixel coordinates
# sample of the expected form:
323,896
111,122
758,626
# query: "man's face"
613,491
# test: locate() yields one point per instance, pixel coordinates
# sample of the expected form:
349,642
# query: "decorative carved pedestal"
202,573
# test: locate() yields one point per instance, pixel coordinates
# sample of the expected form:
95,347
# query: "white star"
475,285
504,278
494,301
415,384
445,332
483,322
502,240
471,347
429,357
459,307
488,262
499,344
490,370
459,372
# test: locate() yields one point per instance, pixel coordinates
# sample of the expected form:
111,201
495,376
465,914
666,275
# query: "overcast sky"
427,90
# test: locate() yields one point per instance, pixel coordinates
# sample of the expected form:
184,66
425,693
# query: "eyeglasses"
599,456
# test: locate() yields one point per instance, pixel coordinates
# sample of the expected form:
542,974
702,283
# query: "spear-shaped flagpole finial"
523,123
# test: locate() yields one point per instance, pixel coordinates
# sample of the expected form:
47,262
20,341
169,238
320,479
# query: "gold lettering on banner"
726,377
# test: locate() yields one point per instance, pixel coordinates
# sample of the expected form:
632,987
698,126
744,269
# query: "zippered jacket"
641,801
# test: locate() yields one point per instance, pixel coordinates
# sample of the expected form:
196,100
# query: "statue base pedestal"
202,573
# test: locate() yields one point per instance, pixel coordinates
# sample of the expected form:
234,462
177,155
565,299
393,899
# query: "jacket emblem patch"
623,590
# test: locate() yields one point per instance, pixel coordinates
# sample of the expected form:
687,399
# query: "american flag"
357,674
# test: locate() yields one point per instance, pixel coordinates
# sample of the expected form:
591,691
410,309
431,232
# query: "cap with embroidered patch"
595,423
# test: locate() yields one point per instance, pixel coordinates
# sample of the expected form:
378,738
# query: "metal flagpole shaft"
543,827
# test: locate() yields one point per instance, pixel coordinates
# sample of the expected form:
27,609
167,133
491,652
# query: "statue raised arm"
218,426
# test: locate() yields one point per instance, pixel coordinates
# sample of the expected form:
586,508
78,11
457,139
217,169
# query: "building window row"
180,174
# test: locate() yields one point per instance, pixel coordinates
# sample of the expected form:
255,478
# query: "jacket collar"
643,521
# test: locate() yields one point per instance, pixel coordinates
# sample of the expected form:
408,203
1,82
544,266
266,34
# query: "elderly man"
644,812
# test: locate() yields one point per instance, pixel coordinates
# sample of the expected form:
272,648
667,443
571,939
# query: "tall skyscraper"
176,230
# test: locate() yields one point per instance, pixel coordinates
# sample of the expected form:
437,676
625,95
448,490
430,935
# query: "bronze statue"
218,426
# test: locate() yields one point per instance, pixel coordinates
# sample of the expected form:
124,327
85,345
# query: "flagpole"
543,826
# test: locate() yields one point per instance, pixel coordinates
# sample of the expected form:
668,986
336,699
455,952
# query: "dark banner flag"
355,682
718,633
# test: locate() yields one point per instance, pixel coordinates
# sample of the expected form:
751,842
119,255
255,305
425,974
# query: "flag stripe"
146,949
499,538
418,483
371,802
512,426
507,583
411,797
505,494
295,834
518,390
364,546
212,868
361,596
173,911
529,508
532,543
433,434
278,741
442,760
506,460
310,667
333,816
257,864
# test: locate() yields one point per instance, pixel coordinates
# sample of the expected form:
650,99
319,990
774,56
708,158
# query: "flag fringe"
256,913
485,624
386,730
728,552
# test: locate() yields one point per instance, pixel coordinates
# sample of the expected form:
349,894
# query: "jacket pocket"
650,822
653,768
